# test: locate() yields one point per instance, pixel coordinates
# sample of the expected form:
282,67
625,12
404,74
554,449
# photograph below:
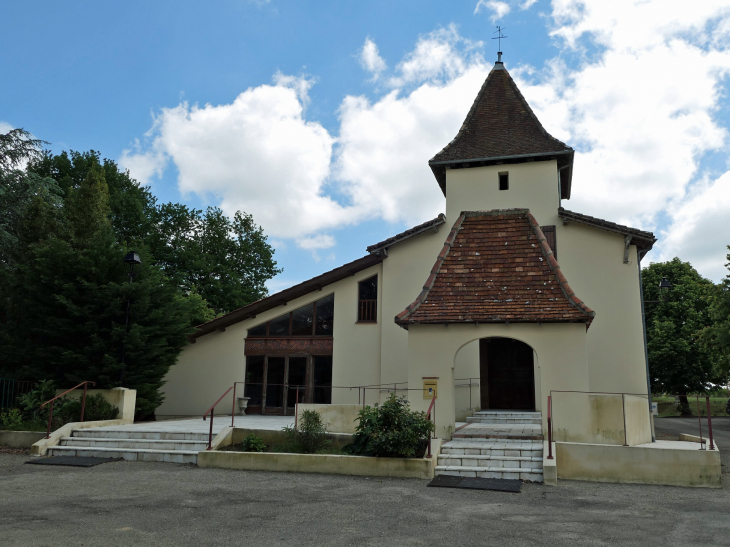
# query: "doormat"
72,461
470,483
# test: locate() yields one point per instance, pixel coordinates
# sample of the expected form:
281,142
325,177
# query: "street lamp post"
131,259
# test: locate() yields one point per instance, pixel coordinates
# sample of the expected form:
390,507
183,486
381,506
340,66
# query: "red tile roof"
496,267
500,125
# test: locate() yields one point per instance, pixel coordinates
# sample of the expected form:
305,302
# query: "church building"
505,299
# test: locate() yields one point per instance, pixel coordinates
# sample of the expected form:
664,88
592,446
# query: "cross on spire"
499,38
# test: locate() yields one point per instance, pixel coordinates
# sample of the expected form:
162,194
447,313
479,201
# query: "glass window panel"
254,379
325,316
297,377
258,330
275,382
369,288
302,319
323,379
279,326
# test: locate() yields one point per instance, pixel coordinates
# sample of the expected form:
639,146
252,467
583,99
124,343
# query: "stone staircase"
495,444
136,445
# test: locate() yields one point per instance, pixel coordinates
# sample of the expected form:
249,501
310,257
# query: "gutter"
497,158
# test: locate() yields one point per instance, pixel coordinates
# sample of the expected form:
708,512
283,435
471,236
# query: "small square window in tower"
504,181
367,310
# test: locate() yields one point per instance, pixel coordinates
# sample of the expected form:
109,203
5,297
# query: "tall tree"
679,361
226,261
69,301
717,336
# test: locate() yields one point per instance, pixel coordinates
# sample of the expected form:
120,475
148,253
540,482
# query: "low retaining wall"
339,418
335,464
20,439
319,463
663,462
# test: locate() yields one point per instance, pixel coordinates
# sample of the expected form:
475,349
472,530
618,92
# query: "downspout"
640,255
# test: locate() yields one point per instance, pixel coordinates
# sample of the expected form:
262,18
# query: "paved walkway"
198,425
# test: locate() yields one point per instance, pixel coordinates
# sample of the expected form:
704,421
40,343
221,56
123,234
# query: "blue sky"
319,117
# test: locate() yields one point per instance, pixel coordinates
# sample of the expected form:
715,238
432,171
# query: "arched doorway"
507,374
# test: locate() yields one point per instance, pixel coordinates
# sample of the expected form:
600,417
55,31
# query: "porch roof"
496,267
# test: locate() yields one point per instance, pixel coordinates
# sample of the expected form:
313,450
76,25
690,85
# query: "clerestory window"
315,319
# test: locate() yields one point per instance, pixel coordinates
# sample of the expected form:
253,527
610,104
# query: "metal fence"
11,389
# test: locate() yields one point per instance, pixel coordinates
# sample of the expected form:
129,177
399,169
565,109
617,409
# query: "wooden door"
508,367
296,377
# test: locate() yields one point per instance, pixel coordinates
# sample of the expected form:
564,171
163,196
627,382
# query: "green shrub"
30,403
97,408
65,410
391,430
11,419
309,435
252,443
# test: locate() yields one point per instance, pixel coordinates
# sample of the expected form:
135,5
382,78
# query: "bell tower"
502,157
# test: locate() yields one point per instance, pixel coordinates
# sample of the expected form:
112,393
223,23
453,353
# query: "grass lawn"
667,406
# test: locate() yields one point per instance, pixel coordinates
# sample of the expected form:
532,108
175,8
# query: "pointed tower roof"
502,128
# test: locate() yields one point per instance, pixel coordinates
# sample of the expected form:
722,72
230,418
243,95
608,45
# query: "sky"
319,117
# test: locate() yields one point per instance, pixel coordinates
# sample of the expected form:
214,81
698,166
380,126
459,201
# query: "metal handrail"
428,416
211,411
83,404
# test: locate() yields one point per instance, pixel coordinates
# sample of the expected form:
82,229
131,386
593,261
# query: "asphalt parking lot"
134,503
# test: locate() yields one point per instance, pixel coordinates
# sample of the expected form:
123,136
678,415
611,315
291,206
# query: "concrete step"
503,421
102,433
525,474
134,444
492,447
508,414
490,461
467,433
145,455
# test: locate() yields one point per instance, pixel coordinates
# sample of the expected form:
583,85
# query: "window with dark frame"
367,308
504,181
552,242
315,319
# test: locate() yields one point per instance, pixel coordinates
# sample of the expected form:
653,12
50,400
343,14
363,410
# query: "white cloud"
642,113
699,230
321,241
527,4
5,127
440,55
499,9
371,60
641,109
258,154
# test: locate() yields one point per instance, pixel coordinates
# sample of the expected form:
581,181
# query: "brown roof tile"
496,267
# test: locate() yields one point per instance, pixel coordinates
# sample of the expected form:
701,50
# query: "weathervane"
499,37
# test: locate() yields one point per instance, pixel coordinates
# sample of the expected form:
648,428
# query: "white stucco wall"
560,350
210,366
532,185
592,261
405,270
